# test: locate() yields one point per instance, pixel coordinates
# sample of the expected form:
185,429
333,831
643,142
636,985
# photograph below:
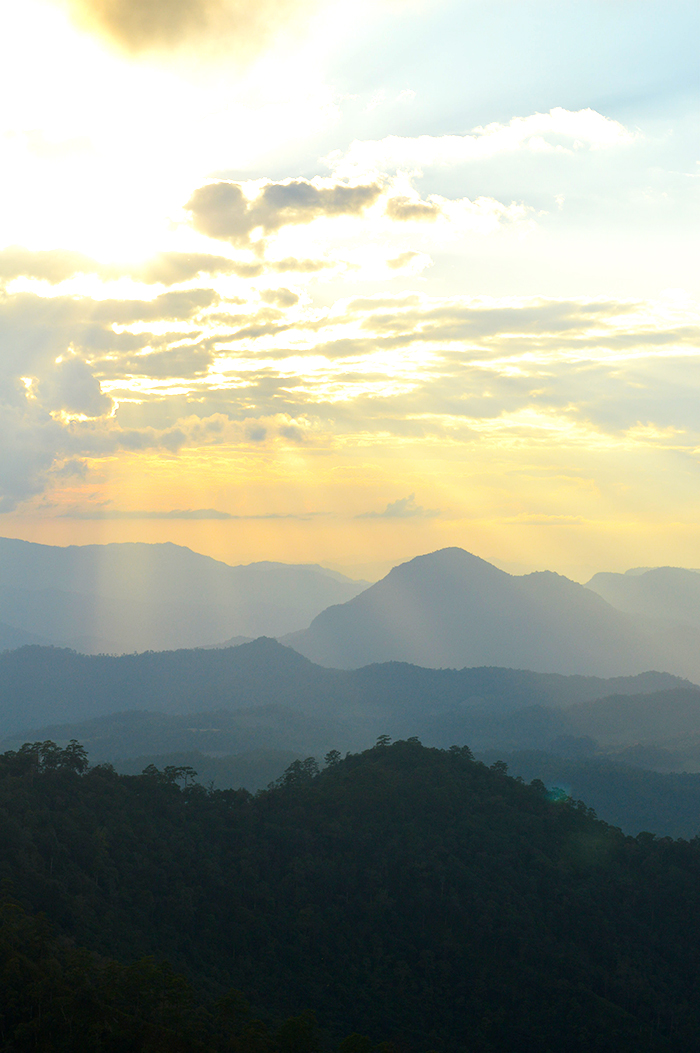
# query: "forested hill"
409,894
46,685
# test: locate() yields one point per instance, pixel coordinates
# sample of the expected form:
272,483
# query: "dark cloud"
70,469
186,361
252,332
171,268
221,210
280,297
256,433
289,265
407,209
403,508
180,305
238,27
72,386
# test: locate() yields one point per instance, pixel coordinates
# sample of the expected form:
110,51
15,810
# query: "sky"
345,282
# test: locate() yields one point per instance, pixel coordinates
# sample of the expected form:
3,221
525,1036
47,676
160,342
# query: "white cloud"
559,131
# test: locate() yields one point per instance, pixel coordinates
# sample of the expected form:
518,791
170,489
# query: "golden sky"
349,282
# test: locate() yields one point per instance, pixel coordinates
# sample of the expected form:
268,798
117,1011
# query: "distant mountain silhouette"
452,609
135,597
264,695
671,593
613,725
11,637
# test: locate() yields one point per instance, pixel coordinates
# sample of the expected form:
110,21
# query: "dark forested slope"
633,798
407,893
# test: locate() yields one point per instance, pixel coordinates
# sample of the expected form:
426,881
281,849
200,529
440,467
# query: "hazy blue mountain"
128,597
11,637
37,683
452,609
657,717
137,733
264,695
662,720
671,593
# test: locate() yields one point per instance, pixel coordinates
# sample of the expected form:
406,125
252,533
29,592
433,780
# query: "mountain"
452,609
132,596
48,686
648,730
121,737
409,895
671,593
10,638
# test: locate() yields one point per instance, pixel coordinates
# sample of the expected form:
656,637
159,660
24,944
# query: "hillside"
635,799
405,894
127,597
452,609
47,686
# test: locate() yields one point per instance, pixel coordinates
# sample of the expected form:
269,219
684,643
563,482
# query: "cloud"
241,27
280,297
404,508
165,268
407,209
413,262
456,370
300,266
559,131
178,513
223,210
72,386
51,265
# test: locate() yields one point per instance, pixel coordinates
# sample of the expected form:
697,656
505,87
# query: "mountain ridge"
452,609
122,597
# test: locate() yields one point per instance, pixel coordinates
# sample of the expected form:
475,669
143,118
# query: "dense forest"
405,894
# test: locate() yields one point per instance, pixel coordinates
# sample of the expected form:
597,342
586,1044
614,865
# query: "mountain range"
446,609
671,593
452,609
135,597
265,695
240,715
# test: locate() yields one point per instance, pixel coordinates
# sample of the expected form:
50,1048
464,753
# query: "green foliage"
65,999
409,895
